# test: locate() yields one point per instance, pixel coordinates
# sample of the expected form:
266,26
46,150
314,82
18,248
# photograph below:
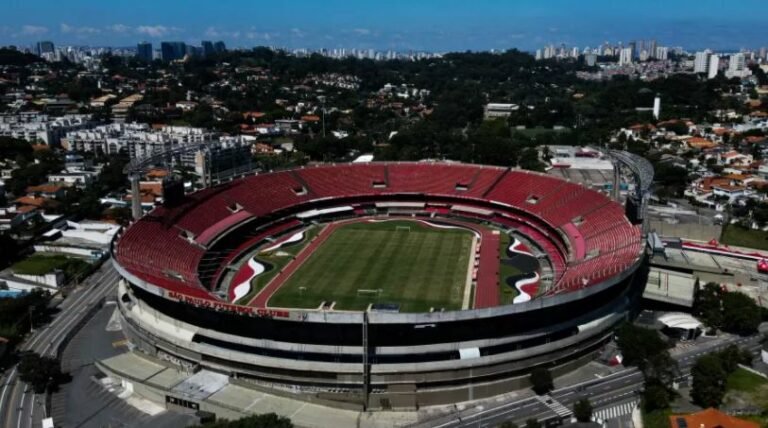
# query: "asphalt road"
609,391
20,407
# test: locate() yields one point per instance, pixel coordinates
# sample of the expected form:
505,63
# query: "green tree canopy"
267,420
709,381
741,314
582,410
42,373
541,380
532,423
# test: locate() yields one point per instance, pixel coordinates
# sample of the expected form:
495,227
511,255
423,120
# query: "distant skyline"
433,25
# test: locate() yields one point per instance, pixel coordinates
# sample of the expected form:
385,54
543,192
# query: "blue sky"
437,25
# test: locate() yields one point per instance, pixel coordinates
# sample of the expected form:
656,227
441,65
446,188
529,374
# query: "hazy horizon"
430,25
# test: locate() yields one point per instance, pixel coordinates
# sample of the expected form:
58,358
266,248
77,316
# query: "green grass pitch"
417,269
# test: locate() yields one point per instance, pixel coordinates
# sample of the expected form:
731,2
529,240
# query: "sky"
431,25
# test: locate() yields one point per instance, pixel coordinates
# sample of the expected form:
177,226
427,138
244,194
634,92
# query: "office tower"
45,47
713,66
651,48
625,56
632,49
662,53
172,51
208,48
701,61
219,47
144,51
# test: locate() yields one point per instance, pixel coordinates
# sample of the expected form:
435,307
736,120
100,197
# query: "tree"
267,420
541,380
529,159
532,423
42,373
8,250
582,410
709,378
656,396
638,344
741,315
508,424
707,306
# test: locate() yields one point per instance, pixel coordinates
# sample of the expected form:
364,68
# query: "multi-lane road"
613,391
20,407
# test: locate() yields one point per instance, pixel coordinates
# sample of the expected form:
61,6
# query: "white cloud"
362,31
33,30
214,32
297,32
255,35
68,29
156,30
119,28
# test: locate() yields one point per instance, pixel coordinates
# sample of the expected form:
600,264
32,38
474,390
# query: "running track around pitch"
261,299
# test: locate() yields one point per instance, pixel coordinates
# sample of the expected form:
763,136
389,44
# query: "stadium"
383,285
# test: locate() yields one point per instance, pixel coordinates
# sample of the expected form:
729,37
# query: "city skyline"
428,25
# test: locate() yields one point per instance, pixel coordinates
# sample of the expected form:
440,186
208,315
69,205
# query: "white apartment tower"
701,61
625,56
713,66
737,66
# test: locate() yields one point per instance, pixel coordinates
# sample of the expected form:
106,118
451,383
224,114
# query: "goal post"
402,228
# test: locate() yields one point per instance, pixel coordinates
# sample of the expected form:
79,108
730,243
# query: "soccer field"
401,262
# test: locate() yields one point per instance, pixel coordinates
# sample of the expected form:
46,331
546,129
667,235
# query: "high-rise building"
662,53
219,47
737,66
632,49
44,47
701,61
651,48
713,67
172,51
193,50
144,51
208,49
625,56
656,107
590,59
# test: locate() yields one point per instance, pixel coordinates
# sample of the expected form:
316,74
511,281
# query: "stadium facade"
176,304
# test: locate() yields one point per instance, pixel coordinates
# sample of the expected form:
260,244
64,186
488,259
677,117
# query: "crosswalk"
555,405
616,411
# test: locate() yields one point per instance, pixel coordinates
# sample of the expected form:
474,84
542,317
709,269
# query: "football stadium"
383,285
